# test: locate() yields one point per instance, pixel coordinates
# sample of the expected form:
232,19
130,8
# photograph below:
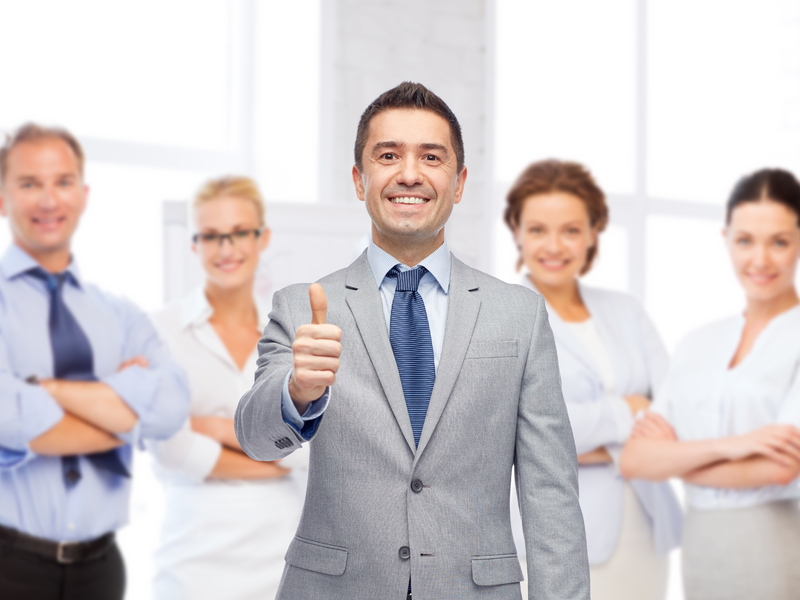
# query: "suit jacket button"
405,552
416,486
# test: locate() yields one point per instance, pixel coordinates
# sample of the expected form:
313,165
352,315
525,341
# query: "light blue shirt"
433,287
33,497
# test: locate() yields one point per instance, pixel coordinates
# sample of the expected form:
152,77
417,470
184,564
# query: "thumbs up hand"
316,350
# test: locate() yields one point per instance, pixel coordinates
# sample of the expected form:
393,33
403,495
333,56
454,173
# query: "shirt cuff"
201,459
615,452
137,387
622,417
38,413
306,424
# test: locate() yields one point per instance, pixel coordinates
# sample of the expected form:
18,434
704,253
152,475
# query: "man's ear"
3,210
85,198
462,179
358,182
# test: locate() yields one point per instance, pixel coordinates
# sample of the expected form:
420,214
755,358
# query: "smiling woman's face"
554,236
763,239
232,262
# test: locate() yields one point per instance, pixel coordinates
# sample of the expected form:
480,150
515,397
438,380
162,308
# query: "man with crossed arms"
83,377
419,382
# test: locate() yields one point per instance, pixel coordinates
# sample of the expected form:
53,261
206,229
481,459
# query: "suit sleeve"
260,426
547,477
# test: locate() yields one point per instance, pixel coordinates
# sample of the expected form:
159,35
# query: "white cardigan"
640,364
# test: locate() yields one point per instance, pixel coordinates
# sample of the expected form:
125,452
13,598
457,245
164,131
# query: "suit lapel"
462,314
363,299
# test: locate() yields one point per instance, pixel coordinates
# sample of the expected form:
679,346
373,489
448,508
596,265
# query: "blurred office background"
668,102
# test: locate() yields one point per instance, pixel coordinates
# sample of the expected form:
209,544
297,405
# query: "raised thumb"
319,304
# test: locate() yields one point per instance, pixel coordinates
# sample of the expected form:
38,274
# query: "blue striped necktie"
410,336
72,359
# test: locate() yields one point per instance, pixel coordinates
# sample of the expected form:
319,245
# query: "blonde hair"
237,186
32,132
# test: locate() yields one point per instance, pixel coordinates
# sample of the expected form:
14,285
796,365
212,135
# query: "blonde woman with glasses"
229,519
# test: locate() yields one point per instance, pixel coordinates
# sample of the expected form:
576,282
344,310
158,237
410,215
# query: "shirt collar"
195,310
16,262
438,264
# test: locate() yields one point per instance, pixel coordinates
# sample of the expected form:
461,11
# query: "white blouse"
587,334
702,398
216,385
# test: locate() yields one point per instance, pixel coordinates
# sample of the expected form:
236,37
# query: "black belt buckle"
65,553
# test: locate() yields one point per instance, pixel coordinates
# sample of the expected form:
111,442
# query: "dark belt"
60,552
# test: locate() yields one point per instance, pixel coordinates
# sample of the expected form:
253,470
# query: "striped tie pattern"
410,336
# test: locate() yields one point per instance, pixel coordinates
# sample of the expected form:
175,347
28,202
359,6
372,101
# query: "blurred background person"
726,419
611,360
83,377
229,519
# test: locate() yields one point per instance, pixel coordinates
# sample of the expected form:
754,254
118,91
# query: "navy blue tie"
72,359
410,336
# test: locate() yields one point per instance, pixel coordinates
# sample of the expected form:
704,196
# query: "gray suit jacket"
379,511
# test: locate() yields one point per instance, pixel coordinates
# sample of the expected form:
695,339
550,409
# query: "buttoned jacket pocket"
498,569
492,349
316,556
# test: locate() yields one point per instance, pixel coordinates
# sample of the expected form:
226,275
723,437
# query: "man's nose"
409,173
48,199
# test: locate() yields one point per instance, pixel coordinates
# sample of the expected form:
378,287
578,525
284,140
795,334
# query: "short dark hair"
552,175
409,95
32,132
777,185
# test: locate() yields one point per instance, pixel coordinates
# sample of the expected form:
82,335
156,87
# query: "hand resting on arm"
233,463
94,413
636,403
769,455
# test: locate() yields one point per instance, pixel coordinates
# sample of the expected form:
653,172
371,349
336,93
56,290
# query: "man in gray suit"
444,377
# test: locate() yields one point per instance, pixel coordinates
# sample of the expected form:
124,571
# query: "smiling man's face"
409,181
43,196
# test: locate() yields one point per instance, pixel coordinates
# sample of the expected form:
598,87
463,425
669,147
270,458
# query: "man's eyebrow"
432,146
389,144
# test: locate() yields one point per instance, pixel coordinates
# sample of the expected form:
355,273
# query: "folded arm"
237,465
655,453
93,402
70,436
750,472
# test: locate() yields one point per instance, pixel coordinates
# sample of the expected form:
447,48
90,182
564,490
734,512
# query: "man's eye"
65,183
431,157
388,155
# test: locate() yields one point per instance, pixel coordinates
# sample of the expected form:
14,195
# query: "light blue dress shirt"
433,287
33,497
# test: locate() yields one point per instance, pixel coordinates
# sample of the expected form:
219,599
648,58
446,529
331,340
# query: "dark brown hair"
31,132
409,95
777,185
548,176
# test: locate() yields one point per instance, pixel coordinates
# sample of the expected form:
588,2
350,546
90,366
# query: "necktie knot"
407,281
53,281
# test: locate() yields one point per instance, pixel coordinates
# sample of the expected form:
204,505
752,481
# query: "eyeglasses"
234,237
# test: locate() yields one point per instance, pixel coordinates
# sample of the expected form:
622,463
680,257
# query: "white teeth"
408,200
